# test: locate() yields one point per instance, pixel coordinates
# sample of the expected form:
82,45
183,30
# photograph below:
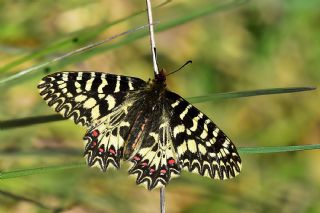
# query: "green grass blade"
31,70
277,149
250,93
14,123
206,10
47,153
40,170
37,54
243,150
198,13
21,122
72,40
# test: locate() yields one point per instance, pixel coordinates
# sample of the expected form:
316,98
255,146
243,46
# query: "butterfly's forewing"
86,96
98,101
201,146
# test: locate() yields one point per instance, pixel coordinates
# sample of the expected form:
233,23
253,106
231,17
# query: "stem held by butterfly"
156,72
152,39
162,200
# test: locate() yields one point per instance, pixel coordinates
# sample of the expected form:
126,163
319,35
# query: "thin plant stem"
156,72
162,200
152,40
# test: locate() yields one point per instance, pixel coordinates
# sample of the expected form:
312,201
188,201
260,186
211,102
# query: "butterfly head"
160,78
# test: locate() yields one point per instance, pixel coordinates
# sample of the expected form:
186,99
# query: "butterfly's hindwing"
104,142
202,147
106,137
155,161
86,96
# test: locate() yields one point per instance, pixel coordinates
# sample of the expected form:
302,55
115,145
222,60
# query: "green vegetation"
237,46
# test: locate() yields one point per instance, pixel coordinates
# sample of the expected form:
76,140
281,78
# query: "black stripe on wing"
202,147
86,96
155,161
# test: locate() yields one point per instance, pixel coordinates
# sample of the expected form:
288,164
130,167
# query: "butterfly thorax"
144,114
159,82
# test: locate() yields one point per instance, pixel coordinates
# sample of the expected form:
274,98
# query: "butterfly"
127,119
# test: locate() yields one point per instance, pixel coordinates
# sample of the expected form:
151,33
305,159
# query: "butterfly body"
155,130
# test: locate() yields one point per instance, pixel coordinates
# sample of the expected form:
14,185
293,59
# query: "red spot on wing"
152,171
144,164
137,158
94,143
95,133
101,150
171,161
112,151
163,171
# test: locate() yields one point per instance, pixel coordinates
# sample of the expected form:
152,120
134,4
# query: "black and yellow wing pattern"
155,130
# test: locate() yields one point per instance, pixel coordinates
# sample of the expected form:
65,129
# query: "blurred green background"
260,44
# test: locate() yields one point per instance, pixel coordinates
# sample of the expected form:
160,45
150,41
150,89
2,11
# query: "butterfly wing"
201,146
104,141
155,161
86,96
99,102
162,136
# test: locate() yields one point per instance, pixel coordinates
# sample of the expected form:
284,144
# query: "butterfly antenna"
185,64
